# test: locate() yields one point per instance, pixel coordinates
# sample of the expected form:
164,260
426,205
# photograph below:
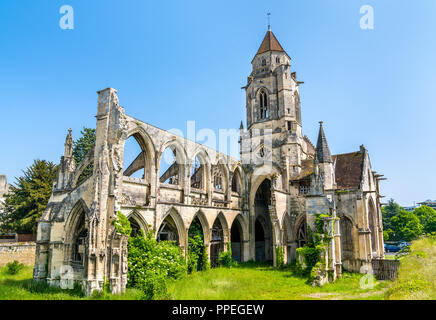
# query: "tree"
406,226
81,147
26,202
424,213
389,211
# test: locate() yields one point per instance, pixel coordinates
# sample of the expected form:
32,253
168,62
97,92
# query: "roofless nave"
266,199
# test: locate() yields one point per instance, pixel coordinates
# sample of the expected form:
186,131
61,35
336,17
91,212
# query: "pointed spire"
322,148
269,43
68,144
241,127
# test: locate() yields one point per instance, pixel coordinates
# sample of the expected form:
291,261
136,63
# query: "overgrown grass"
257,281
21,287
246,281
417,274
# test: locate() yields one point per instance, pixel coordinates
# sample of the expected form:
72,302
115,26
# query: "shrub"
152,263
225,257
122,224
280,257
14,267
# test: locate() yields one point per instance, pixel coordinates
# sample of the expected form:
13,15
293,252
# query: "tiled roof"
306,169
348,169
269,43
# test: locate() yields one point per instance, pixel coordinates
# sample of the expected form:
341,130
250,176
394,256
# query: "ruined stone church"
266,199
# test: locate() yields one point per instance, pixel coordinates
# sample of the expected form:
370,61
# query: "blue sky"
173,61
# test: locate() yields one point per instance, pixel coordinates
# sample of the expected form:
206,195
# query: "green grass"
22,287
254,281
247,281
417,274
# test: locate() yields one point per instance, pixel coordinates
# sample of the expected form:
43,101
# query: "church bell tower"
273,109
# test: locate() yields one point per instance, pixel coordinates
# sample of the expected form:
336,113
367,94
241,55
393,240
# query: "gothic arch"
87,160
300,231
237,183
147,147
222,165
238,237
180,226
204,225
204,160
76,237
139,219
180,158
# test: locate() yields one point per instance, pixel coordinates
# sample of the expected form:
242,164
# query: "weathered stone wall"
24,252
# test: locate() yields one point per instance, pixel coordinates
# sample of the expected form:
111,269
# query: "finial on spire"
269,21
320,123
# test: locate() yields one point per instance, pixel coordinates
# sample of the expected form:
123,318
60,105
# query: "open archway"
216,242
168,230
237,240
301,233
263,228
347,246
197,244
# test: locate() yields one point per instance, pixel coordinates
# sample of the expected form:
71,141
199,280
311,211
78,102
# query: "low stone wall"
24,252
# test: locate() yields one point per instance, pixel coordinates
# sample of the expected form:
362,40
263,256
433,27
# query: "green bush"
225,258
198,259
122,224
152,263
14,267
280,257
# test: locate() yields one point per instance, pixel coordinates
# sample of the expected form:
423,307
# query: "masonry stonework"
267,198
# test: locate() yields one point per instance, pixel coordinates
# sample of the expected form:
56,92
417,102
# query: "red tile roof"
348,170
269,43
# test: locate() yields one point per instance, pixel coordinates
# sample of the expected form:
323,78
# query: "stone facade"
267,198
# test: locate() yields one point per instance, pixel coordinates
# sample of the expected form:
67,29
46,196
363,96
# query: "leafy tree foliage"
424,213
26,202
388,212
197,256
151,264
406,226
81,147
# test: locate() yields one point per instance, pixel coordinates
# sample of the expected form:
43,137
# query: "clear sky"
173,61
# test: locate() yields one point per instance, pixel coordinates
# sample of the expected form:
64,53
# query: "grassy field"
417,280
251,281
417,275
248,281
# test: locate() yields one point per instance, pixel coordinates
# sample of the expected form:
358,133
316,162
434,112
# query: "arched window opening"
236,241
263,99
134,159
217,242
168,231
218,178
236,182
197,174
196,248
135,227
346,228
260,241
302,234
169,167
263,62
86,173
79,245
277,59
